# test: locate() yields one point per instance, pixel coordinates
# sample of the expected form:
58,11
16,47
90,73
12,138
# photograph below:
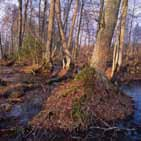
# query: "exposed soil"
90,99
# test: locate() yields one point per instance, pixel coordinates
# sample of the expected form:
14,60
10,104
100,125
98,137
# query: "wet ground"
22,96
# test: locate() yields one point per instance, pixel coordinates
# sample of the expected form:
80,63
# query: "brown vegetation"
83,102
54,48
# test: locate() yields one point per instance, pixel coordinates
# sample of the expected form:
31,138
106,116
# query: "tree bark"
73,24
39,20
119,47
101,51
130,45
1,49
25,17
78,32
47,54
100,19
44,19
67,55
20,23
31,14
124,10
66,16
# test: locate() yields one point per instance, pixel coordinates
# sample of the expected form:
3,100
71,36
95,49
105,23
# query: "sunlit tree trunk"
119,48
115,54
101,51
47,53
75,53
67,55
73,24
124,10
100,18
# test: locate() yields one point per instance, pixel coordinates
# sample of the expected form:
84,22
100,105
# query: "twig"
112,128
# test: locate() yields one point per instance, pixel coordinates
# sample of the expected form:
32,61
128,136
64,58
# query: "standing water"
133,89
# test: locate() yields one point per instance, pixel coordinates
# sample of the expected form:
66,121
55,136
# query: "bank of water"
130,128
133,89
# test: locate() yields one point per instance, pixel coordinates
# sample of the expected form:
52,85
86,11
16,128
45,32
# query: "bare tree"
1,48
39,19
25,16
101,15
101,51
78,32
67,55
73,24
44,19
119,46
131,25
47,53
20,23
66,13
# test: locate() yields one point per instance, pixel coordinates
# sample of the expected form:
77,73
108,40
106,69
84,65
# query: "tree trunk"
25,17
119,47
101,51
100,19
44,19
115,54
47,54
20,23
73,24
130,45
1,49
78,32
39,22
124,10
31,15
67,55
66,16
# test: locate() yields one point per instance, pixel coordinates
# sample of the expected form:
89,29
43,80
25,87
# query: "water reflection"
134,90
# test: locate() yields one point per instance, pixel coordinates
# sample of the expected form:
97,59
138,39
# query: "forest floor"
24,99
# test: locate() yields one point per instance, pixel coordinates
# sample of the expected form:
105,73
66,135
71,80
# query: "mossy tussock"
88,99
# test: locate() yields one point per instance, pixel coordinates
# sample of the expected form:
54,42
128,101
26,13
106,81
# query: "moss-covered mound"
89,99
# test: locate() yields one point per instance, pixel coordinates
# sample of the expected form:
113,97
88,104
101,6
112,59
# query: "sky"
131,4
3,4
